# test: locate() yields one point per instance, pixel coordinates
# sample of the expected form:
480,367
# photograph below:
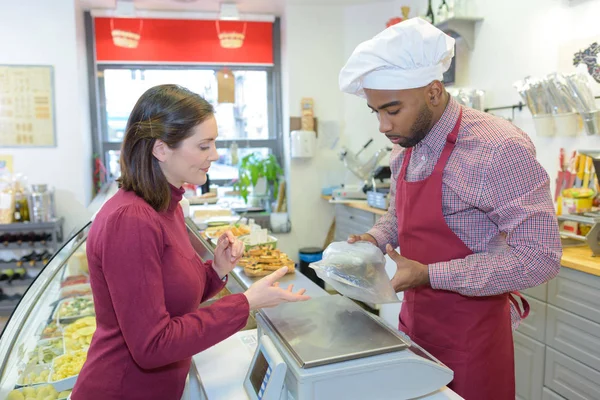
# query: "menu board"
27,106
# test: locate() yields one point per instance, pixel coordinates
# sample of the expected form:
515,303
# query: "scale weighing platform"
325,348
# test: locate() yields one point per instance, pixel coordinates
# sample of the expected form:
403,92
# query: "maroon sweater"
147,283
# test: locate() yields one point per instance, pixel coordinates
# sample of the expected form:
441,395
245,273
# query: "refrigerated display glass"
44,343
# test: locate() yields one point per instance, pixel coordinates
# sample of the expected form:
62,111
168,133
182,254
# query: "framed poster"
6,164
27,116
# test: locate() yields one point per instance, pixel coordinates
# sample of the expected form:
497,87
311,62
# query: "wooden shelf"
462,27
581,259
361,205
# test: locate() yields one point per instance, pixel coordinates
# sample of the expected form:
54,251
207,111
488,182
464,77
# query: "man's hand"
410,274
364,237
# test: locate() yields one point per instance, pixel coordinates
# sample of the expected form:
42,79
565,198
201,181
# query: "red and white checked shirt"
495,198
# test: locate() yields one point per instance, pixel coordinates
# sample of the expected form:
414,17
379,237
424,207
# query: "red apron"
471,335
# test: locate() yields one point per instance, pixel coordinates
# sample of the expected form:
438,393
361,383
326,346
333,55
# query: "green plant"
253,167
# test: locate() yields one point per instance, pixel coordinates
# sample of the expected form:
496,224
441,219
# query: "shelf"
462,27
13,265
31,226
28,245
17,283
7,307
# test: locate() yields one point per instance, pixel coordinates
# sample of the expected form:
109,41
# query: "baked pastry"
261,261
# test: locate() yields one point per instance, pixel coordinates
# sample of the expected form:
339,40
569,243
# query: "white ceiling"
274,7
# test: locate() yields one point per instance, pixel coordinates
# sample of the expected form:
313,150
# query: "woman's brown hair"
165,112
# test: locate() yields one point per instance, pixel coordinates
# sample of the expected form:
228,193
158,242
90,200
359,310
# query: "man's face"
405,116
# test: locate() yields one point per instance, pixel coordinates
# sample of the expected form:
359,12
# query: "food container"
544,125
78,334
83,289
566,124
50,330
34,375
575,206
75,362
591,122
237,230
270,242
74,280
47,350
71,309
42,392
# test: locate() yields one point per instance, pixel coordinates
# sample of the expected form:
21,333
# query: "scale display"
264,380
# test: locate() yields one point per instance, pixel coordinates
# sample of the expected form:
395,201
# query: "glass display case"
44,343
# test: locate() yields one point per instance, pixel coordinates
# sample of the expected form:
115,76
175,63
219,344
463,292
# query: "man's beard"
418,130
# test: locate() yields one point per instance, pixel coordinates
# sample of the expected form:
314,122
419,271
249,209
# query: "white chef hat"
407,55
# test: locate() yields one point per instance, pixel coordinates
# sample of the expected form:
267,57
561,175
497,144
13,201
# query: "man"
471,209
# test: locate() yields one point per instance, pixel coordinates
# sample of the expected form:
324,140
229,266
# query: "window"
249,122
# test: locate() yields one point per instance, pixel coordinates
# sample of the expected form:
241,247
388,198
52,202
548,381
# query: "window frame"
275,143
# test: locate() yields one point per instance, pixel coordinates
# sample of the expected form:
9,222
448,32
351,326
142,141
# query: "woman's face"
190,161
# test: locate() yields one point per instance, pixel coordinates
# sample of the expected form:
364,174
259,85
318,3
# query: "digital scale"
349,192
330,348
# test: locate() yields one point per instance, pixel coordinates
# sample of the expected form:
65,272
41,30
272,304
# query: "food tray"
68,382
75,334
53,350
37,370
39,387
65,319
57,333
83,289
74,280
236,229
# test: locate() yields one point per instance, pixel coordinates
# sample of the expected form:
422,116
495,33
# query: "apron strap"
449,147
512,296
407,155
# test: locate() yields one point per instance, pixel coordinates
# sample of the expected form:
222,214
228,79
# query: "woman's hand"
227,254
267,293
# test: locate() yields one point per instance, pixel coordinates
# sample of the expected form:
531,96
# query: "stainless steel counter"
241,282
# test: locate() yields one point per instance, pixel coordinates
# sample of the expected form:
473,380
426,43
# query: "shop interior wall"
316,41
40,32
311,58
522,38
516,39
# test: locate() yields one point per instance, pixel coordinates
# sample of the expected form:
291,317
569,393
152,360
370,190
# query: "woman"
146,278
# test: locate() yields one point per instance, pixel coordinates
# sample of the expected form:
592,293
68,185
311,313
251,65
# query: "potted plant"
259,173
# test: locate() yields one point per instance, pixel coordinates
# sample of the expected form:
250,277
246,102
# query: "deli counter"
327,347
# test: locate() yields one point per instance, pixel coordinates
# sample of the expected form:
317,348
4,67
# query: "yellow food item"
29,392
46,392
262,260
15,395
64,394
578,193
237,230
68,365
78,335
32,378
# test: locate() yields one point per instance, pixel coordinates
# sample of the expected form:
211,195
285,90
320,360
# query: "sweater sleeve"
214,284
131,263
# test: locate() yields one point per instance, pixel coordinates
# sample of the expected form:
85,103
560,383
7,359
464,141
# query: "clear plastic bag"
357,271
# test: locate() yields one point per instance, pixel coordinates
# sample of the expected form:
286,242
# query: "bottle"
19,273
430,16
233,152
17,216
442,11
6,274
